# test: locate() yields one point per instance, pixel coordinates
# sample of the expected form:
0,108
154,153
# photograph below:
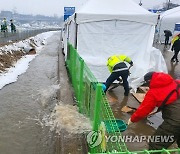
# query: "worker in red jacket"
163,93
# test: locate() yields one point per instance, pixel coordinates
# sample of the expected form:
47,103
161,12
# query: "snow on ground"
11,74
38,41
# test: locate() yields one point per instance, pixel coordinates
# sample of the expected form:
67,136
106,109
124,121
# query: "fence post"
68,64
74,58
97,106
71,59
81,85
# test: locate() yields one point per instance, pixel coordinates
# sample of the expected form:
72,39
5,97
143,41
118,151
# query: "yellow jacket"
175,38
115,59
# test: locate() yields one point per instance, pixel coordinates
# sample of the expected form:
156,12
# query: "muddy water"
145,127
25,102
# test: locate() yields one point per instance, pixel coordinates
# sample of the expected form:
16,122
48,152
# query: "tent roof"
175,12
97,10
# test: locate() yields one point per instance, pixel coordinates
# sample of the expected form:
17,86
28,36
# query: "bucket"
111,125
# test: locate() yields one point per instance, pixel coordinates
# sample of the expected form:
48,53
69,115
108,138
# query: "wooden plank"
127,109
139,96
144,89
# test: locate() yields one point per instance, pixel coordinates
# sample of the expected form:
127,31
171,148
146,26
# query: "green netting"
163,151
93,103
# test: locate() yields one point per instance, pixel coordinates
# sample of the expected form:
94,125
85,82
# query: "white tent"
106,27
167,21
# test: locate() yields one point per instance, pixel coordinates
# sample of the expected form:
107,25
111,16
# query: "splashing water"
66,117
47,95
63,117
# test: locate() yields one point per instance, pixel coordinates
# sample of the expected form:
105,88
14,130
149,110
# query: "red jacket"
161,85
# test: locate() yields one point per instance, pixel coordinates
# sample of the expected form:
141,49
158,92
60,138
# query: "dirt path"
9,58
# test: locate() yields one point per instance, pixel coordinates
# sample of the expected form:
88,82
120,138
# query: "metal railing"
6,37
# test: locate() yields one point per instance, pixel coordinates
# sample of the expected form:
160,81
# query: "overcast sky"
51,7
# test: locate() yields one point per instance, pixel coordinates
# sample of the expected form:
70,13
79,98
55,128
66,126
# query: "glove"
129,121
103,87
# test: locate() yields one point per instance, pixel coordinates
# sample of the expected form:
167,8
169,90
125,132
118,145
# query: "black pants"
166,129
115,76
166,40
170,126
176,52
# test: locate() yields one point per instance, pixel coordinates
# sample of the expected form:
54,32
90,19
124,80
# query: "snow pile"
35,42
11,74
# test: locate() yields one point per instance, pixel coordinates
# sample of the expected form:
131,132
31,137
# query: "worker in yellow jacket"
117,66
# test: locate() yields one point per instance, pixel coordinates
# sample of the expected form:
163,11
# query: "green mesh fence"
93,103
163,151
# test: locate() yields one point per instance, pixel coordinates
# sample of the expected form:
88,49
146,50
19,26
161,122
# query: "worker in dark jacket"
167,34
176,48
118,68
163,93
13,27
